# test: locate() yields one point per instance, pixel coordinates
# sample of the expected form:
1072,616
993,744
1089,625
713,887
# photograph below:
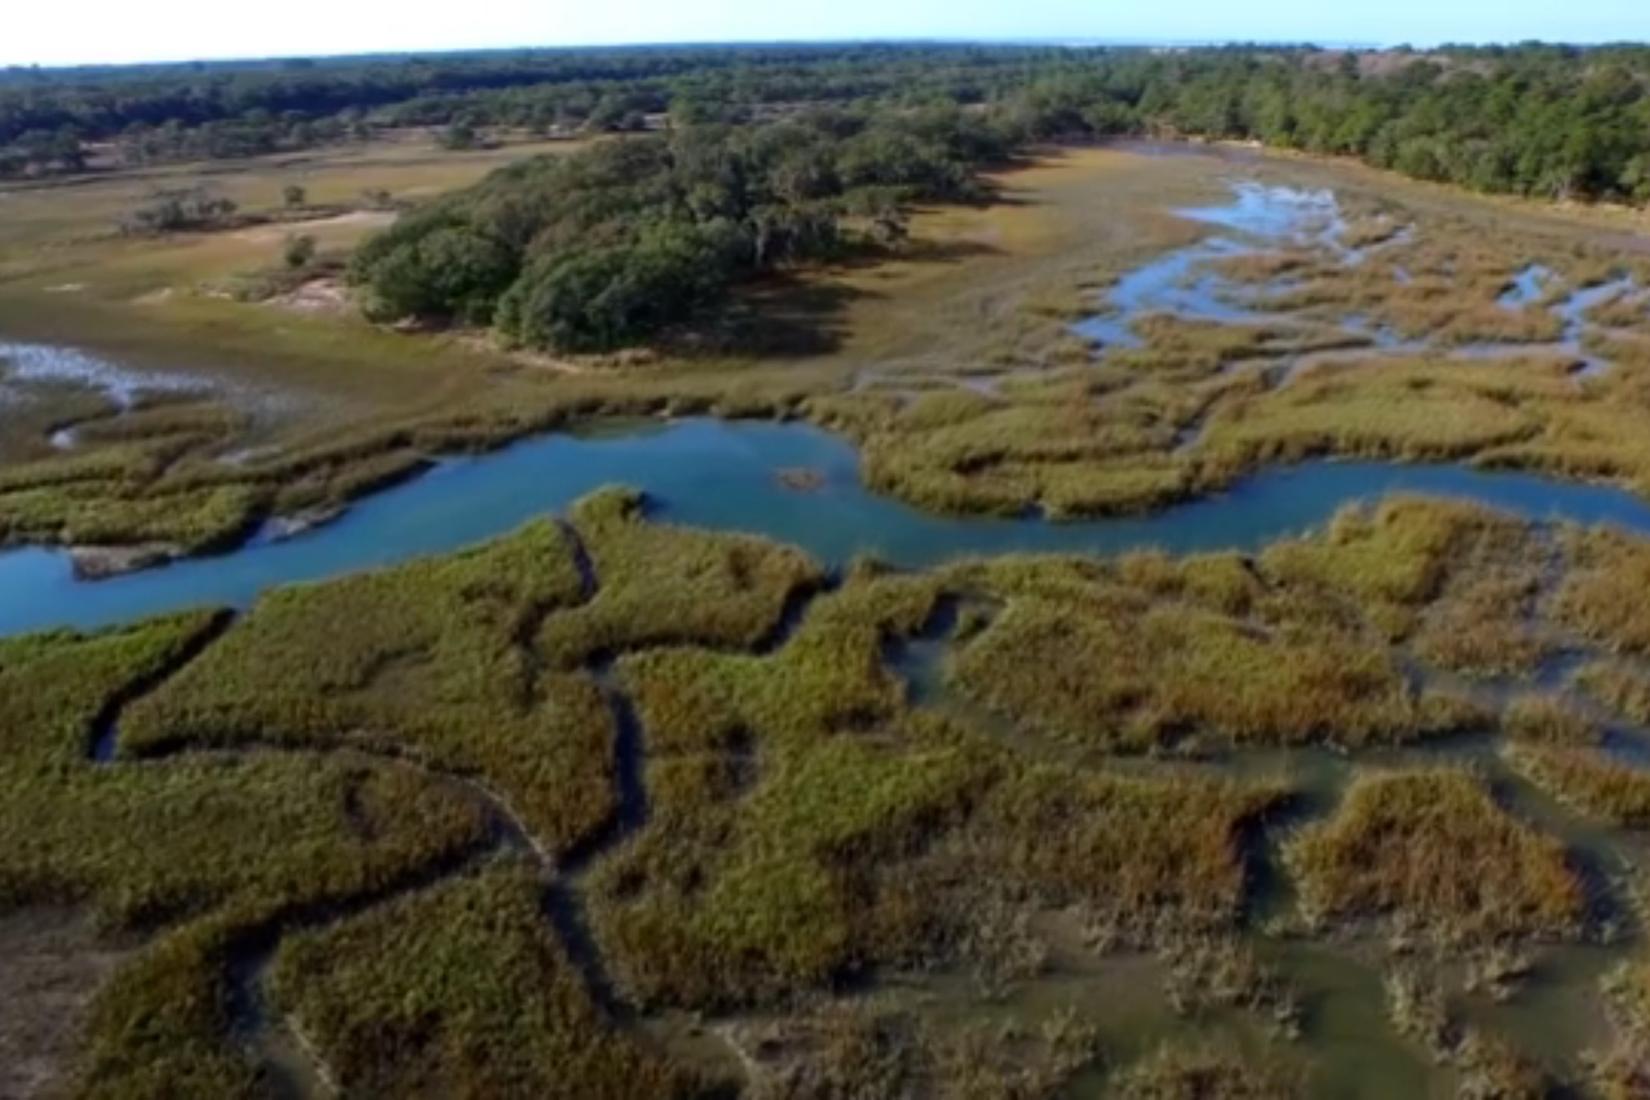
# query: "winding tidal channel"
725,476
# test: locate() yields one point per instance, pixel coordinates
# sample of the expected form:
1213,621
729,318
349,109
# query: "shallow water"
1172,284
1525,288
724,476
122,385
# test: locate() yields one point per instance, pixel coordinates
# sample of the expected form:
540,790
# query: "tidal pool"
725,476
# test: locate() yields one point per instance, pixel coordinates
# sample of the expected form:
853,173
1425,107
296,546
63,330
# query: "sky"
81,31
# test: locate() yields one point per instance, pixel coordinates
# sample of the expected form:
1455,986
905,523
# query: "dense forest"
604,247
1543,120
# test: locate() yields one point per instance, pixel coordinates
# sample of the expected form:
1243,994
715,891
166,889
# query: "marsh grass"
1214,650
461,990
1559,750
166,850
1601,595
428,660
1409,554
659,585
1208,1072
1588,780
1430,854
1622,686
770,779
801,829
804,825
871,1050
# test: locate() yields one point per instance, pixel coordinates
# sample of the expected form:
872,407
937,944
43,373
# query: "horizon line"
1074,42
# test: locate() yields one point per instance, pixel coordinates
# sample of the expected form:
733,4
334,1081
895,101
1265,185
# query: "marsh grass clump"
1208,1072
777,783
1602,595
1460,576
660,585
1430,854
1154,652
843,1050
463,990
191,521
1418,1007
1549,721
1491,1068
1050,445
1410,413
426,660
1214,972
1619,685
1138,681
1587,779
1147,861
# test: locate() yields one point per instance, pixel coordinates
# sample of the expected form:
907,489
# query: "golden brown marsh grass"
1429,853
1208,1073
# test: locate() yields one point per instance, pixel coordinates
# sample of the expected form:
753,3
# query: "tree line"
1551,121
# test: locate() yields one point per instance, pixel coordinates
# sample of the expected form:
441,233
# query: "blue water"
721,475
1171,283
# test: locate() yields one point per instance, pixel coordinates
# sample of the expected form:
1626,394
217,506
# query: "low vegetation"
1208,1073
165,851
423,661
1596,598
523,806
1292,649
658,585
462,991
876,1051
1563,753
1430,854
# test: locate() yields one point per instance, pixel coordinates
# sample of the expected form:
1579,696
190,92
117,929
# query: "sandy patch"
316,296
280,231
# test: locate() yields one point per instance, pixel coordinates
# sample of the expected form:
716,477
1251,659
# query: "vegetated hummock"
1432,854
1292,648
513,825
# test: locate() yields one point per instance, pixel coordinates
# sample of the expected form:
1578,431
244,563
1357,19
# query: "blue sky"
72,31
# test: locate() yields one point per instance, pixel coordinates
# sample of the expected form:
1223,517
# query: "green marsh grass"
1154,651
426,660
462,990
871,1050
166,850
1602,594
659,585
